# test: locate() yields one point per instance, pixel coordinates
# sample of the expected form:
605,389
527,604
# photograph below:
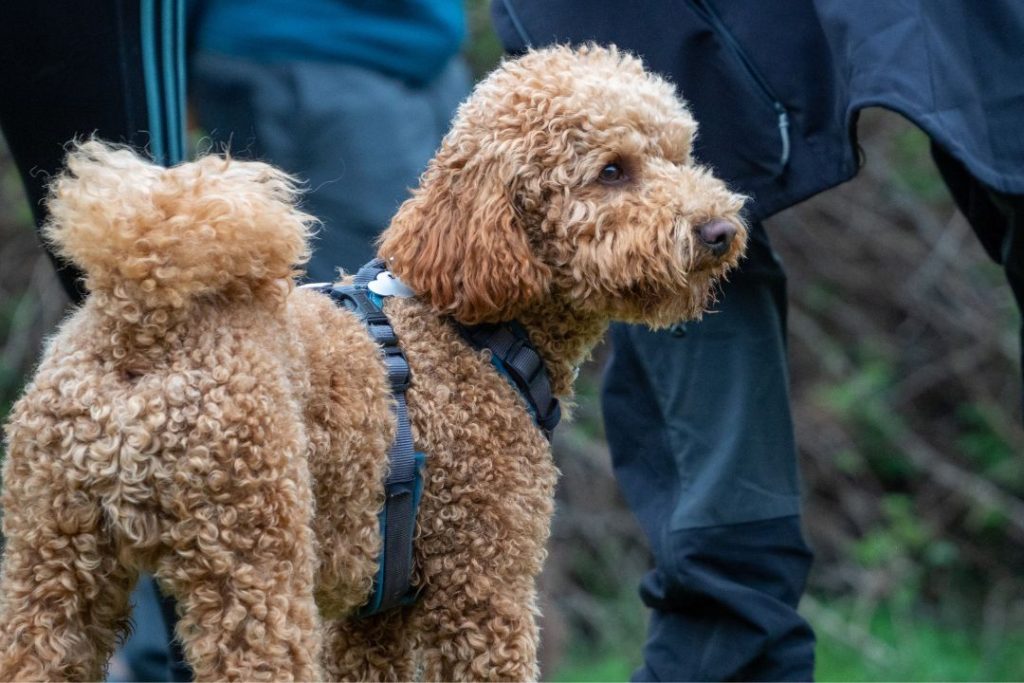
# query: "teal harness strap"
150,70
162,34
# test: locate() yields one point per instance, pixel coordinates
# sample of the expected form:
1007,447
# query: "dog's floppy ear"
458,242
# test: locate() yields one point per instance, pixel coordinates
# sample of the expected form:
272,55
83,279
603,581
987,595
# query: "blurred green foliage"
982,443
599,665
922,649
862,400
911,155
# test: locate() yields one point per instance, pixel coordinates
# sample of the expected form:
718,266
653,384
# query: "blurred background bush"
905,376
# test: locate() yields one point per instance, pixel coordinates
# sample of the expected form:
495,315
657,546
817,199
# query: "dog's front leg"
476,617
484,519
377,648
482,629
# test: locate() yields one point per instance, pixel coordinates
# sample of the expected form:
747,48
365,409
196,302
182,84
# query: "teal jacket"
411,40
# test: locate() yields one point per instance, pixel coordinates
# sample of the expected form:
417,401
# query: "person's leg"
997,219
358,138
699,425
1011,256
144,655
74,69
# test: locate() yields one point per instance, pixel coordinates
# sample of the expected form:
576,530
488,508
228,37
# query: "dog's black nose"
717,235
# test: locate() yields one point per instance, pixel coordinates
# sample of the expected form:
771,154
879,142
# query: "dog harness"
515,358
511,354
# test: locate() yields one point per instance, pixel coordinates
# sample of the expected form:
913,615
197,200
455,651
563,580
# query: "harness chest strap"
511,354
404,484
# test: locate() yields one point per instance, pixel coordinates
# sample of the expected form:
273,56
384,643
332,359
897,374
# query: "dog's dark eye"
611,174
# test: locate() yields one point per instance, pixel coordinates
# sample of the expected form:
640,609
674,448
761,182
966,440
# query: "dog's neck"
564,339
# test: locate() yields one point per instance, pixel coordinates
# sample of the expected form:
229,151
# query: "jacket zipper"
782,116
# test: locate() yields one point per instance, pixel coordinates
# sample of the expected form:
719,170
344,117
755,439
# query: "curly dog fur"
200,418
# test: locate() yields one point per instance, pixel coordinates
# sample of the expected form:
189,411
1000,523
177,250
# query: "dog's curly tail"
151,238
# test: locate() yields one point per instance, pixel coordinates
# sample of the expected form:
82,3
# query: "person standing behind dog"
351,97
698,418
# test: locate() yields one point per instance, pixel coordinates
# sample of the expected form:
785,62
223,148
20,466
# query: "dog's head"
568,175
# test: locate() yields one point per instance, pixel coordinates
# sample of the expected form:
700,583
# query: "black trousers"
702,443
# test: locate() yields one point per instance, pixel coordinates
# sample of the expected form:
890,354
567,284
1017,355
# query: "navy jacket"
776,86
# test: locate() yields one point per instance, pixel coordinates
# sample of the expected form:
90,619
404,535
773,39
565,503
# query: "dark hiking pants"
699,425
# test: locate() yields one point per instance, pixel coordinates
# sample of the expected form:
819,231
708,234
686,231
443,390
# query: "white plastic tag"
387,284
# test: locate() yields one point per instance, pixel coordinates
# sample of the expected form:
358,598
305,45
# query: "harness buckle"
521,364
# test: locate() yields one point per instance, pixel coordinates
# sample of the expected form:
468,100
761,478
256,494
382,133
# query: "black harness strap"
514,356
404,482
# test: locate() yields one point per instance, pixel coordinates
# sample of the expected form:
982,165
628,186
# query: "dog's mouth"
662,304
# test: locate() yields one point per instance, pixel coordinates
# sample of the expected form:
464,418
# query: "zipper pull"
783,133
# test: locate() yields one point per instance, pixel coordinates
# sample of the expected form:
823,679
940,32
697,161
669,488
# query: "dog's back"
164,427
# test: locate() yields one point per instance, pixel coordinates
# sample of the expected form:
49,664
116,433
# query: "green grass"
919,649
583,667
924,650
